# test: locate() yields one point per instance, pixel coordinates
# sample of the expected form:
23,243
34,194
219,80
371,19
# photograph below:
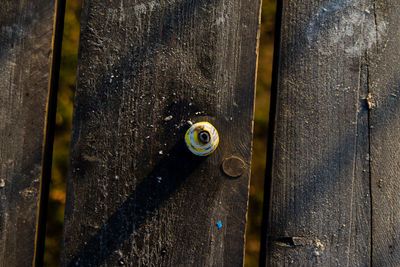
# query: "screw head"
204,137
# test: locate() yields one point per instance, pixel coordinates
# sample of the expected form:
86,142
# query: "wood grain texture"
384,100
320,205
135,195
28,74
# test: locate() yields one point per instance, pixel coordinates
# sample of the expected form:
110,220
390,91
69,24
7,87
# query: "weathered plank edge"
271,133
50,116
252,124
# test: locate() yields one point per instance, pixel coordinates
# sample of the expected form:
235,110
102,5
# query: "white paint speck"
168,118
140,9
318,248
219,21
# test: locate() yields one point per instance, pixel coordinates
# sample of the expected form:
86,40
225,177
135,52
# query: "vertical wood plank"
135,195
320,203
29,51
384,100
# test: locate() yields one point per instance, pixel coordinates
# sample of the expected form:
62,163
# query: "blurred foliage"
64,121
69,56
261,116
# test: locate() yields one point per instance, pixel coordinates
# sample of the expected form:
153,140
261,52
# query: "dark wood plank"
29,51
320,204
384,100
135,195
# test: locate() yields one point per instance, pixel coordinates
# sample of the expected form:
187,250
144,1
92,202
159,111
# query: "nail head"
233,166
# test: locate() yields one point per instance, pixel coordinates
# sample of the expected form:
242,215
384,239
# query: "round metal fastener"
233,166
202,138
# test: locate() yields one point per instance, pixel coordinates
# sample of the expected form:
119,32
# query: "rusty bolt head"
233,166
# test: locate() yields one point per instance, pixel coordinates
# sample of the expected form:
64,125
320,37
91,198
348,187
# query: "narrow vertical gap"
370,142
369,148
262,107
369,167
271,126
49,132
67,59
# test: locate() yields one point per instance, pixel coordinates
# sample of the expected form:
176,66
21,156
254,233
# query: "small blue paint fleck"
219,225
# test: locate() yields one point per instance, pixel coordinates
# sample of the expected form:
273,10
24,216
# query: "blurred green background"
69,58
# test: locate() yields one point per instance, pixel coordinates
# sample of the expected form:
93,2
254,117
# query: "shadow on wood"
139,64
167,176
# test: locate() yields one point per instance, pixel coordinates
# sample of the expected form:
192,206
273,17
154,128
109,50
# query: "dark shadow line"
370,168
165,179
